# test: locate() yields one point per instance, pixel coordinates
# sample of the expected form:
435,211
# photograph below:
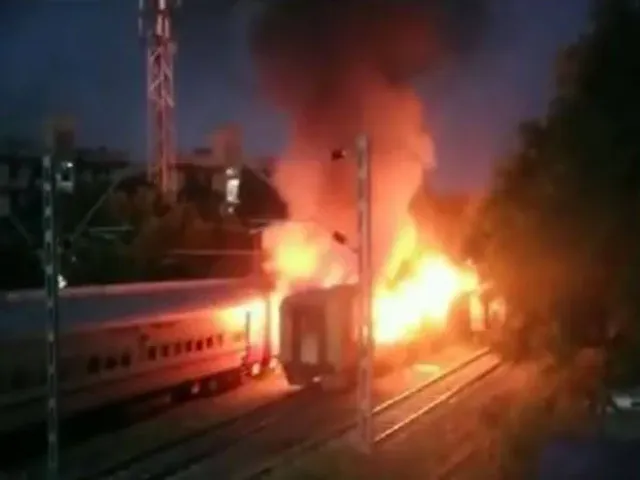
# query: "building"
204,168
20,174
200,178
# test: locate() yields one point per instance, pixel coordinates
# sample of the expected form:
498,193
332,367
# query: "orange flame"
414,292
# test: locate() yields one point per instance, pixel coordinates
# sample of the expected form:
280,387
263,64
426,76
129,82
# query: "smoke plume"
342,67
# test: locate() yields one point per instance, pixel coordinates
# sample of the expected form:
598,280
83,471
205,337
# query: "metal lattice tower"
155,28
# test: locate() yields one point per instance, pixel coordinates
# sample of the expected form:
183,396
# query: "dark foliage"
560,230
147,230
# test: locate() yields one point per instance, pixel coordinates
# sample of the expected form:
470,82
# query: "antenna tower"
155,29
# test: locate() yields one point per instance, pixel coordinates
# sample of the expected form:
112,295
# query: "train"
126,342
129,342
319,338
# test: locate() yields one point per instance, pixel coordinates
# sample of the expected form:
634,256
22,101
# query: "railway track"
228,450
95,452
26,443
255,434
391,417
464,447
282,441
471,448
467,428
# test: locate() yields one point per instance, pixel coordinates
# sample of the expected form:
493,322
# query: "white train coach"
127,341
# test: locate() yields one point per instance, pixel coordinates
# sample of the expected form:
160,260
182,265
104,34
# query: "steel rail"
174,458
247,423
257,418
436,404
286,458
468,448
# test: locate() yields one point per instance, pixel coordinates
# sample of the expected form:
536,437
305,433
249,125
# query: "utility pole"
51,270
156,29
365,326
58,176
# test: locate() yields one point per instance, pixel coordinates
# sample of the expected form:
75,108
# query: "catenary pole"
51,270
365,330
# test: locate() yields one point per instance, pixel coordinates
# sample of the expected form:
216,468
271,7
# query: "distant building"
200,173
20,174
200,170
205,167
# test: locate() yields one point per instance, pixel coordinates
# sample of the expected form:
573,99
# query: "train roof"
100,306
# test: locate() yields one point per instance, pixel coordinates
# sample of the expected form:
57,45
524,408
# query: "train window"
93,365
189,346
199,345
110,363
165,350
125,359
220,339
209,342
177,348
151,353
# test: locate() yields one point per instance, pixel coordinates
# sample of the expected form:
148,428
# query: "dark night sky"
82,57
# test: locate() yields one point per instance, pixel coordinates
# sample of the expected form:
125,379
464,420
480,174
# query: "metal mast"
155,28
58,176
365,330
51,263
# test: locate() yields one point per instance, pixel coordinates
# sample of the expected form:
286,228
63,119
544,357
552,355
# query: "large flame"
354,72
415,289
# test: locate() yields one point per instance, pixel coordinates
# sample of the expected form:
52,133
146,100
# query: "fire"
301,254
414,291
235,315
422,300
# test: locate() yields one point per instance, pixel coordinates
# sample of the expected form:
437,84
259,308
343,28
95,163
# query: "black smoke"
341,67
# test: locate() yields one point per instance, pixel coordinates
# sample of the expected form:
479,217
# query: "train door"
271,330
259,336
254,343
308,327
272,302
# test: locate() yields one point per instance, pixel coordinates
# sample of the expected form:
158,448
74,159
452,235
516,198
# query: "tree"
559,232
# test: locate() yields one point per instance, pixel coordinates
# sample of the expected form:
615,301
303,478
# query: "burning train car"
319,334
419,299
334,82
